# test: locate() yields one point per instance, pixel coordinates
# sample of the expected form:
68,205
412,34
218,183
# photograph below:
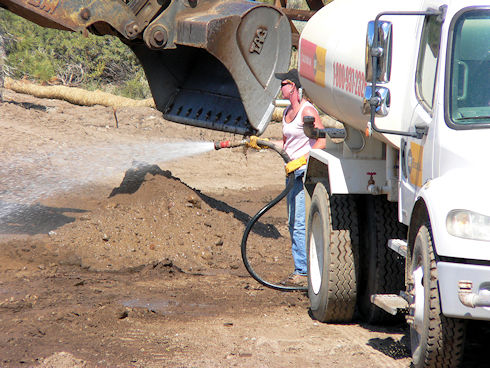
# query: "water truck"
399,211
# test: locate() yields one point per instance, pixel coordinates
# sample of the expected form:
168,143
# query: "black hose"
259,214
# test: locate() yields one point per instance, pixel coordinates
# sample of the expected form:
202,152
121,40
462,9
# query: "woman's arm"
311,111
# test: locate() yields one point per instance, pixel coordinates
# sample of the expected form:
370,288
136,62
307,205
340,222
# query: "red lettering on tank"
351,80
339,75
348,79
342,76
358,80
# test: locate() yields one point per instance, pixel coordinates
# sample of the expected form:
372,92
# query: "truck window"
427,62
469,90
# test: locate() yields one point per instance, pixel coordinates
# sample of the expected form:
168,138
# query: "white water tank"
331,60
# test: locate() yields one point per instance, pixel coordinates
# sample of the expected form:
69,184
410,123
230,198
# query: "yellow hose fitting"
254,142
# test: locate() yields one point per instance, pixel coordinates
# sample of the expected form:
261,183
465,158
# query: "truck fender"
452,191
342,175
316,171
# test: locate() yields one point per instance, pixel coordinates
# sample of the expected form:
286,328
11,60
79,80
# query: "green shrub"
48,55
136,88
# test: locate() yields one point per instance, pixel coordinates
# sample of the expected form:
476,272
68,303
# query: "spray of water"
27,179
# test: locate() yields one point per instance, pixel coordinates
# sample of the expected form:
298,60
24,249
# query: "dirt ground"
141,267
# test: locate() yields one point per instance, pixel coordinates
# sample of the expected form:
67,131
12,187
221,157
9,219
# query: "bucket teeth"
207,117
233,123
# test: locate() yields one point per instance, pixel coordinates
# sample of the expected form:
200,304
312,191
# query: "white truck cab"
399,212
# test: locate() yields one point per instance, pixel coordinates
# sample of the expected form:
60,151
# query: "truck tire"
436,341
331,247
382,269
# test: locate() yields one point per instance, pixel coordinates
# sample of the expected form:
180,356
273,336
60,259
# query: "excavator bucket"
209,63
220,75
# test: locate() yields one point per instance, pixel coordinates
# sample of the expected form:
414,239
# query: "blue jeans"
296,220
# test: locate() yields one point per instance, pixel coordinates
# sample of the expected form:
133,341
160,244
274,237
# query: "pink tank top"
296,143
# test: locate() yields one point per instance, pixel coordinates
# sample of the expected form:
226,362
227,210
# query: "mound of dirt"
153,217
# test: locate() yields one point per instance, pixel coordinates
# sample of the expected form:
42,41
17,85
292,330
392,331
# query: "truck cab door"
417,158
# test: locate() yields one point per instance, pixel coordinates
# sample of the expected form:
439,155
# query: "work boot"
295,280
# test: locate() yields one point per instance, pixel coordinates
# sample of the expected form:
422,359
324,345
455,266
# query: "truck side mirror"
382,97
382,51
379,40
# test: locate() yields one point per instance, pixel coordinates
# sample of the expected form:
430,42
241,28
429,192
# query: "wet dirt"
141,267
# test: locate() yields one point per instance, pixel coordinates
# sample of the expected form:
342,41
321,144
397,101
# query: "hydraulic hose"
259,214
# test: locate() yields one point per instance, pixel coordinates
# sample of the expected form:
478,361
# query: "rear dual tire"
343,272
382,269
331,245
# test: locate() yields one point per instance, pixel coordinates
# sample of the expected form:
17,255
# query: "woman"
297,145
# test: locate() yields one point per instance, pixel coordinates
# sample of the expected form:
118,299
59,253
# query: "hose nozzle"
253,142
229,144
222,144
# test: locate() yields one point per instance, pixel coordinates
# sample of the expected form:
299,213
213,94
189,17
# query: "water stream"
27,179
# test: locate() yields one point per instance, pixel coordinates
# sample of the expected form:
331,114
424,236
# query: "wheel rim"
316,254
417,310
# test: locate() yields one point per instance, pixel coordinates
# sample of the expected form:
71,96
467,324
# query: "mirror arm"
377,52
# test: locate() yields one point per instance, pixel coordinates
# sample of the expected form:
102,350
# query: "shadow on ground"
33,219
475,350
392,348
28,105
135,176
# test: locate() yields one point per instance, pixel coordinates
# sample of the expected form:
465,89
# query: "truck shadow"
394,348
475,350
390,347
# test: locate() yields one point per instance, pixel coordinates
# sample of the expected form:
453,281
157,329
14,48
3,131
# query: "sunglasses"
285,83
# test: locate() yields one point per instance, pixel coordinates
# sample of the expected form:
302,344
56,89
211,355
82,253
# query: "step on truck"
399,210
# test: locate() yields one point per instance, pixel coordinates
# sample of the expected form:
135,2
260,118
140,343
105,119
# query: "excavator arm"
209,63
